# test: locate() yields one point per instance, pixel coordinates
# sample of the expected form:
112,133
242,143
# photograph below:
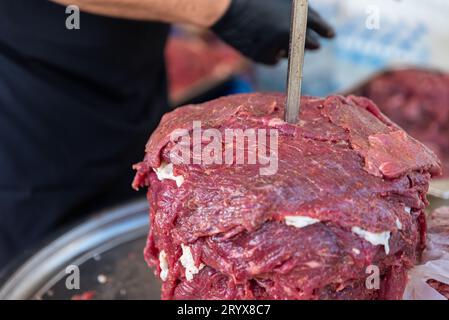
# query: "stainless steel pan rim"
103,232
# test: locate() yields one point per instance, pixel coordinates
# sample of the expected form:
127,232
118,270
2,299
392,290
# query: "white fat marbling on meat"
408,209
188,263
398,224
313,264
381,238
300,222
165,171
163,264
356,251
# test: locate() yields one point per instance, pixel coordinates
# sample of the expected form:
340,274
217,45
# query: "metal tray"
108,251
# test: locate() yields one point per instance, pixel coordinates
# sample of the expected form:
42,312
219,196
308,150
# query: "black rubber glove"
260,29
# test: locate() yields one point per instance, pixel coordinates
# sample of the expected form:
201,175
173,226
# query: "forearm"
201,13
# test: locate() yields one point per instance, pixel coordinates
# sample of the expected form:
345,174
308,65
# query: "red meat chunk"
223,233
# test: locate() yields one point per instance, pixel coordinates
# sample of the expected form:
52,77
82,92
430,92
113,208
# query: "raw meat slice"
194,63
418,101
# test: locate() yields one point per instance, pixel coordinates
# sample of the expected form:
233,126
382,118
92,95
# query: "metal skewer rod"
296,59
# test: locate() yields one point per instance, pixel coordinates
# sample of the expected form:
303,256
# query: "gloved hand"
260,29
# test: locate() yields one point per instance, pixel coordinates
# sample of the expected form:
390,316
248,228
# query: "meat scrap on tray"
346,199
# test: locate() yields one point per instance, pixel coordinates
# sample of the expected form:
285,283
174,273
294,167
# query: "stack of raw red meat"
418,101
346,202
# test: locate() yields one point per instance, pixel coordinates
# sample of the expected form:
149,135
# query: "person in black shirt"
77,105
